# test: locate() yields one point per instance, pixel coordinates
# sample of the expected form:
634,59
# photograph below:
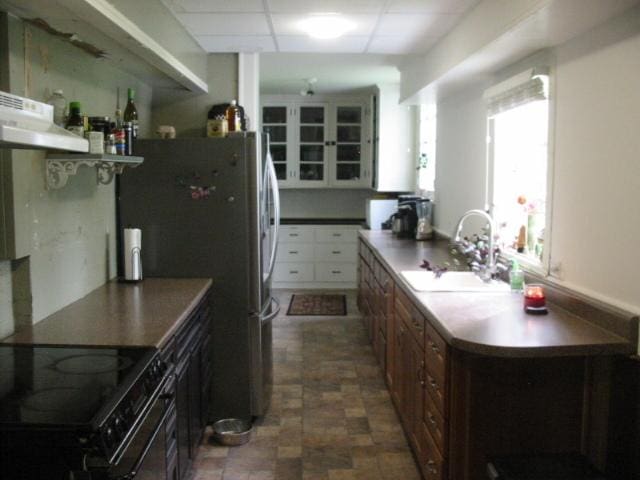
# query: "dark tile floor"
331,417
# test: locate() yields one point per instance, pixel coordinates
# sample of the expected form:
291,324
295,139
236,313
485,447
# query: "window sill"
527,263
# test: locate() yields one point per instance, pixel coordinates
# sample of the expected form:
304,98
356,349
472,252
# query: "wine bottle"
130,112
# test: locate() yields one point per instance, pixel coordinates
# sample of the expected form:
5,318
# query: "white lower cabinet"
317,256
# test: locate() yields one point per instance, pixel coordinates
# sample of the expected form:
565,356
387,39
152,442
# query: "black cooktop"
65,386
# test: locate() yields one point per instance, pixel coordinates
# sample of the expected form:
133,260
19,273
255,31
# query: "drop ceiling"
398,27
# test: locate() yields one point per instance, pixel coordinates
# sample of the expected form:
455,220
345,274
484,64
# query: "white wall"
67,236
186,111
596,220
324,203
595,224
460,158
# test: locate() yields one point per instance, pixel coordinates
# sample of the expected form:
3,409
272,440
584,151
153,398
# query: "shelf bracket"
61,167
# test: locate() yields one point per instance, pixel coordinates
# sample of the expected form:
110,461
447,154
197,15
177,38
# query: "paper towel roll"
132,251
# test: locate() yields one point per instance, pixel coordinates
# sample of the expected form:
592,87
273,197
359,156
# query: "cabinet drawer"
413,320
431,463
436,388
435,423
336,272
382,277
294,234
293,272
335,252
436,353
295,252
338,235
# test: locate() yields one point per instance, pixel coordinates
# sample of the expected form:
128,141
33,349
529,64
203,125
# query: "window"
518,125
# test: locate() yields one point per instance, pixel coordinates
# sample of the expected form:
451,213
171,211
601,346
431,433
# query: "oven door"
152,453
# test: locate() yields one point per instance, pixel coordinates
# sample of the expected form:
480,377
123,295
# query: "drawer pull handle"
336,271
293,271
434,347
431,466
293,234
420,372
433,383
432,419
293,252
336,252
337,234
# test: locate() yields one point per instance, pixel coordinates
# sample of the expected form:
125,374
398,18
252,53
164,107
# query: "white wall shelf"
61,166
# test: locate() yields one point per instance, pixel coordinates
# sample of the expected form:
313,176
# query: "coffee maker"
407,215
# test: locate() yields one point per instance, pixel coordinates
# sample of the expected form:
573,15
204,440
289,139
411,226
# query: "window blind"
529,86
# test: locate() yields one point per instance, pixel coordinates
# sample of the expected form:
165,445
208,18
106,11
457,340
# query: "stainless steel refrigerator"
209,207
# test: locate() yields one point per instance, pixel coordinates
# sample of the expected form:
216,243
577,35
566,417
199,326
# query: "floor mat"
317,304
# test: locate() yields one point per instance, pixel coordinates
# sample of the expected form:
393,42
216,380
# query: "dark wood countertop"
493,323
120,314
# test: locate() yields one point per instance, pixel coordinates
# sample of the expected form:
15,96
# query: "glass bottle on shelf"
59,104
131,113
75,122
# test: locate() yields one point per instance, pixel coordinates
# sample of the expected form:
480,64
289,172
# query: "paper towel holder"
132,255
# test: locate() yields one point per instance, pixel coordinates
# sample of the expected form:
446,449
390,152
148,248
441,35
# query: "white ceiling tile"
302,43
416,25
236,43
400,45
430,6
288,24
315,6
215,6
225,24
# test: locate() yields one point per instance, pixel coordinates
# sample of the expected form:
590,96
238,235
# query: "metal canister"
120,141
110,144
128,137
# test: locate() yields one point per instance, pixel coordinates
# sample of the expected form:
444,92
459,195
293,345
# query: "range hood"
27,124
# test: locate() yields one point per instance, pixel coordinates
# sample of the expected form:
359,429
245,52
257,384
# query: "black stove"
90,400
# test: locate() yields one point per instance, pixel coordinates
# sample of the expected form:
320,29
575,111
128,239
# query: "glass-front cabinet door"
276,121
312,139
349,168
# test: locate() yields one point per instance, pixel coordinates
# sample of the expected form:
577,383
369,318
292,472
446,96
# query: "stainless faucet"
490,266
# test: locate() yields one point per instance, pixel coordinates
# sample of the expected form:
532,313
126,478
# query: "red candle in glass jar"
534,299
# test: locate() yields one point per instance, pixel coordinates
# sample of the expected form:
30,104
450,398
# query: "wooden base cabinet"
414,360
458,408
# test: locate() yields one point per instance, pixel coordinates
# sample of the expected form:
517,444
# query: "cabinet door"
182,410
312,148
350,161
277,122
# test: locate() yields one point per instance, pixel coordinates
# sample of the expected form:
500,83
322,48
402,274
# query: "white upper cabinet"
349,148
324,144
394,157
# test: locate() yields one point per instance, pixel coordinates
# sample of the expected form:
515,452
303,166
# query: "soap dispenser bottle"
516,277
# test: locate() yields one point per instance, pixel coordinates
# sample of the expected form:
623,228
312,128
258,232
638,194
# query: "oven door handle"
136,467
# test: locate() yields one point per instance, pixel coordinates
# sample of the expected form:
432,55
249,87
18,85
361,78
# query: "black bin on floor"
542,467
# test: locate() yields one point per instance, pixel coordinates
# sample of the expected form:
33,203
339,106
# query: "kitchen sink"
424,281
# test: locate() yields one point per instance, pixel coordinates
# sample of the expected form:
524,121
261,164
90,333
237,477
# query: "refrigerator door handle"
271,170
274,313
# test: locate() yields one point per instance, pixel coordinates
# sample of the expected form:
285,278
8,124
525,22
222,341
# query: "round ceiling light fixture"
326,26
